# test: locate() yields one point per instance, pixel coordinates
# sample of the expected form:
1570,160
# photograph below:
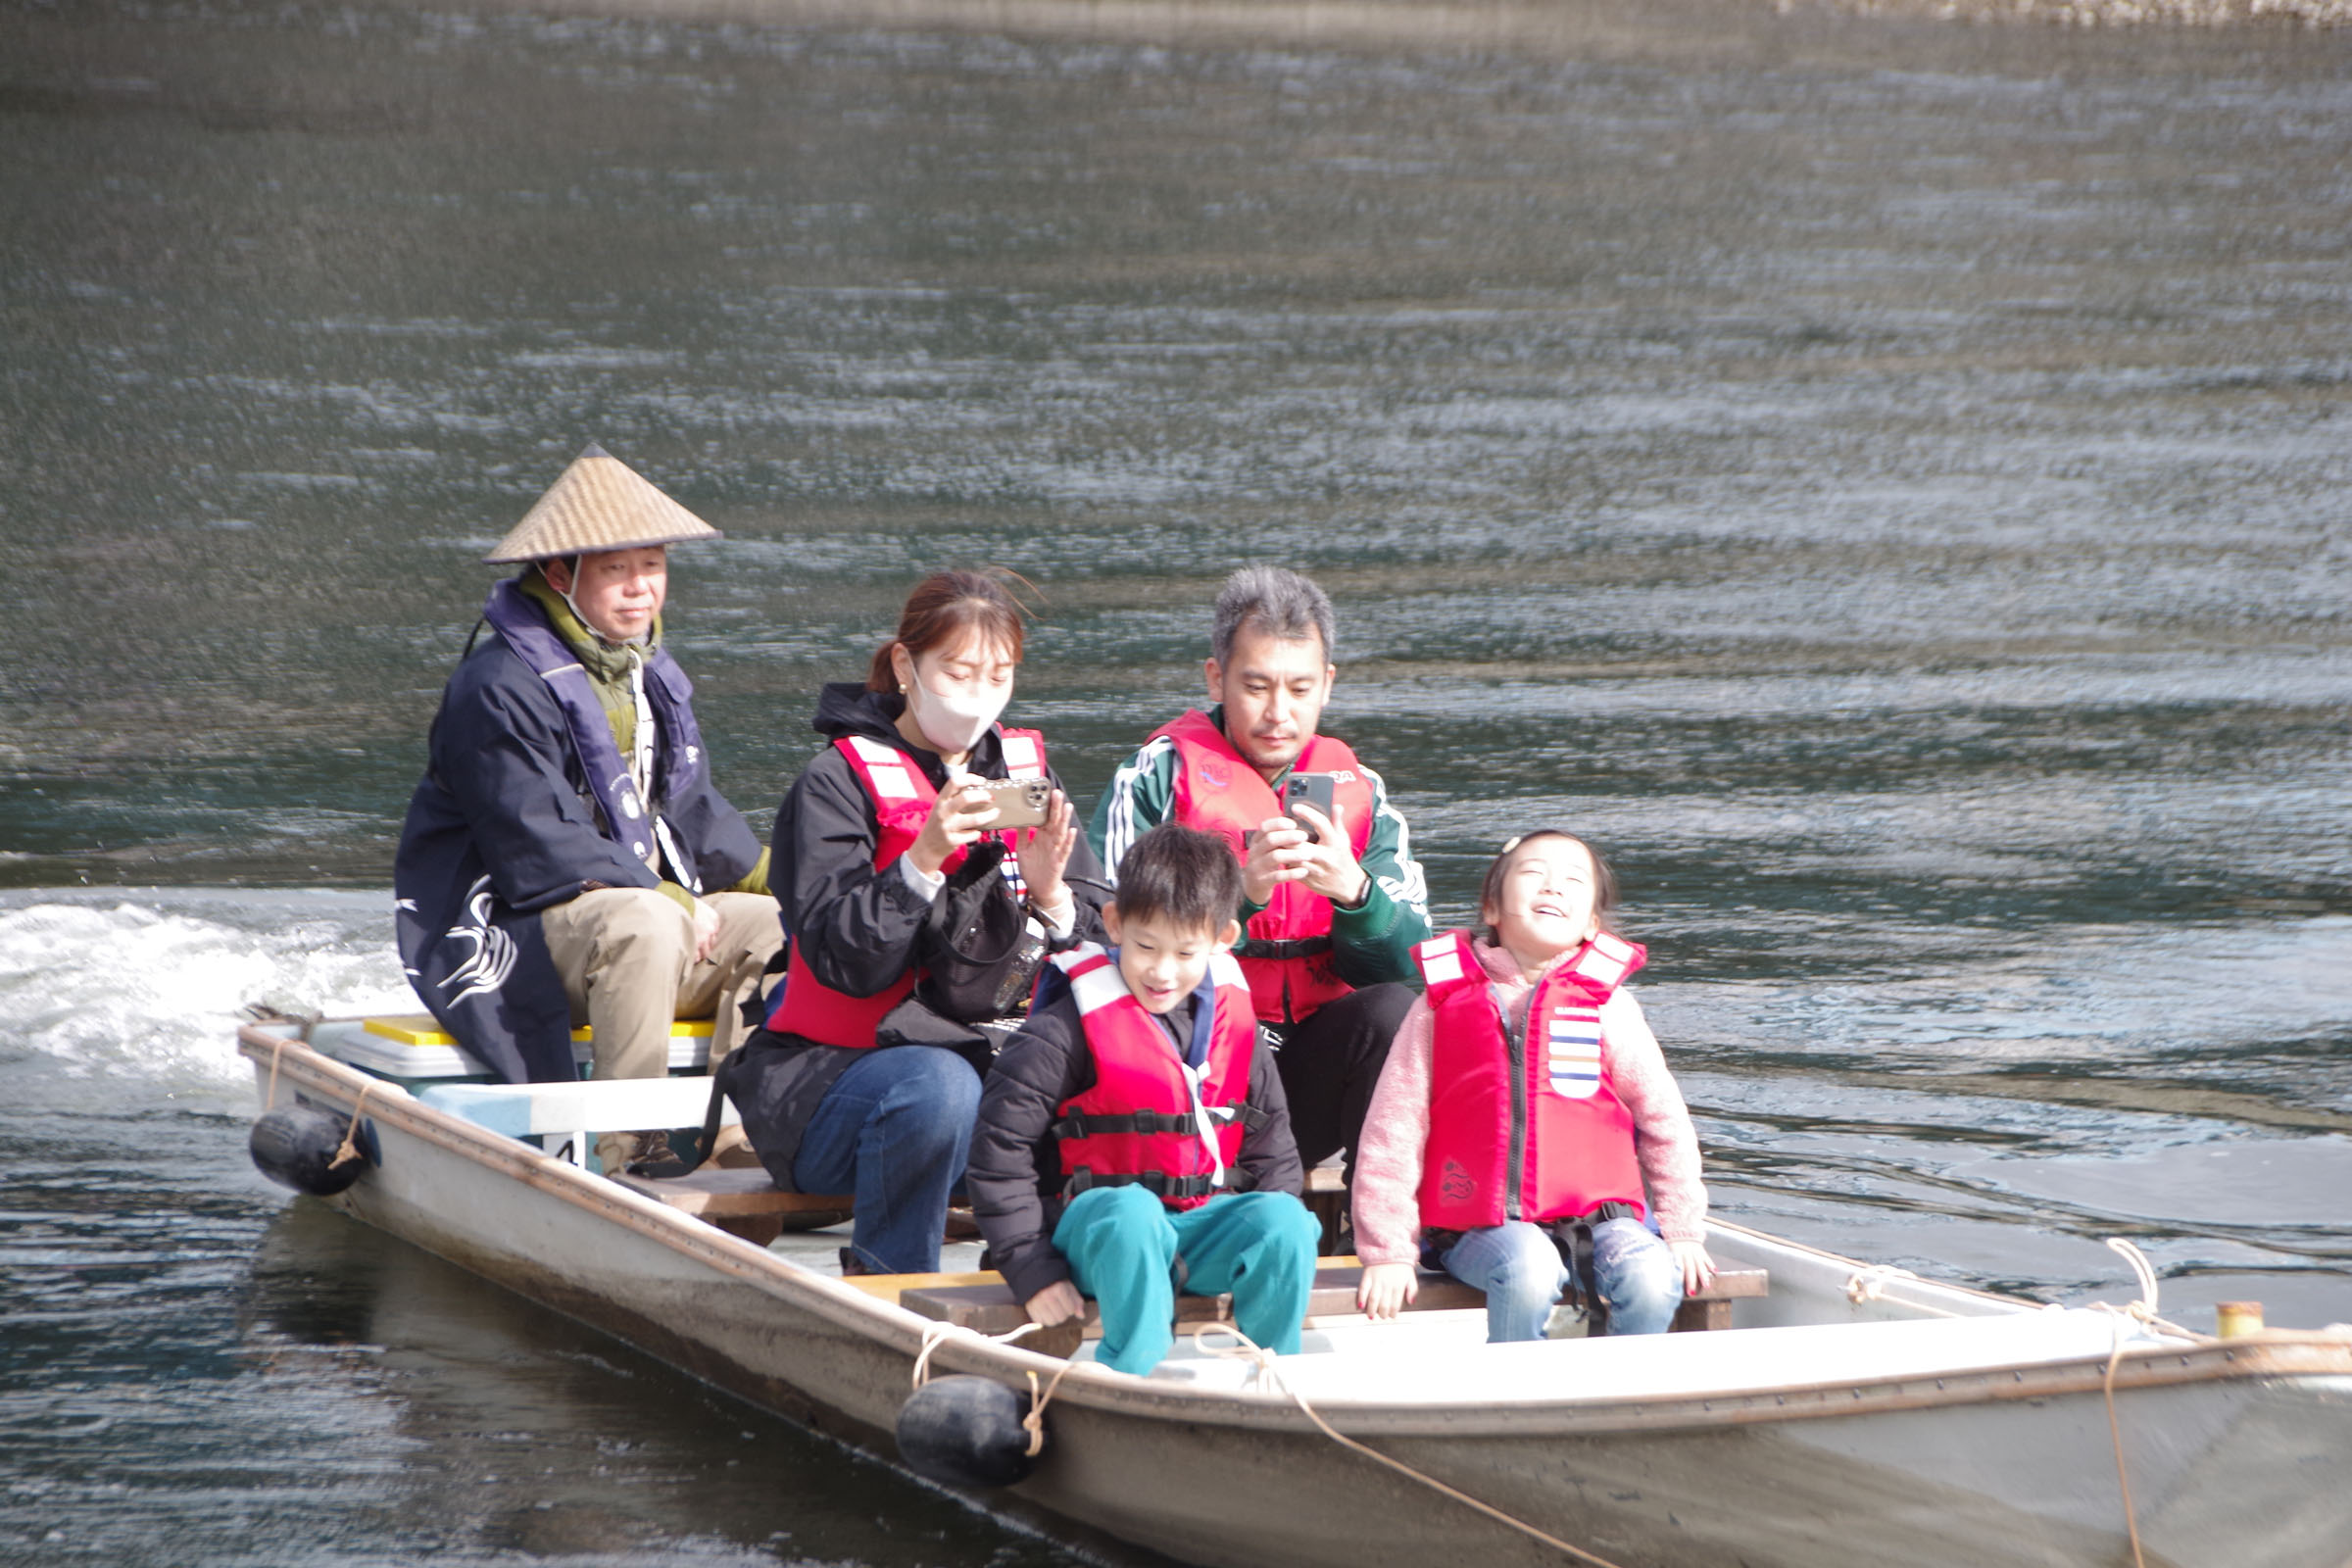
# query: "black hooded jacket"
855,925
1015,1177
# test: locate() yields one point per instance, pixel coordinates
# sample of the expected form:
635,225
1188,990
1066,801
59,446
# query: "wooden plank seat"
984,1303
742,1201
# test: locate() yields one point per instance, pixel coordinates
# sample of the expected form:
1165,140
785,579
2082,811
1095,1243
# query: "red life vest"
1549,1141
901,797
1219,791
1142,1120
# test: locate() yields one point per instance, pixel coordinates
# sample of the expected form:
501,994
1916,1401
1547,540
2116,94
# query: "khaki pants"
626,955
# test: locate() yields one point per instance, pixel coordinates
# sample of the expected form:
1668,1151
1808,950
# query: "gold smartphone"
1020,801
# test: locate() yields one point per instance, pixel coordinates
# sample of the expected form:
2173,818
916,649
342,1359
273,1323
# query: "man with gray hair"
1334,900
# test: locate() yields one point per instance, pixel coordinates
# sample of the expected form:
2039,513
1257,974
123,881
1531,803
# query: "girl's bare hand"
1698,1268
1385,1290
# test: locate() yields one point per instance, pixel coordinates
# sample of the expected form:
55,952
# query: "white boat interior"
1442,1358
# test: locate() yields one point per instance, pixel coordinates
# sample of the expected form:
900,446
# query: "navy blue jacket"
501,825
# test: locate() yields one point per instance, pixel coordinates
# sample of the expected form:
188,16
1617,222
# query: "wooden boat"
1849,1416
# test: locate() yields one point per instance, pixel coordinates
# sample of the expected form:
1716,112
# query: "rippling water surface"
1886,482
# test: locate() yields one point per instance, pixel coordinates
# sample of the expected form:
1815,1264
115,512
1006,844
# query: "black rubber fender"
295,1145
965,1432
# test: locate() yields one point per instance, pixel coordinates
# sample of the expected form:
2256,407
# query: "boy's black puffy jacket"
1015,1179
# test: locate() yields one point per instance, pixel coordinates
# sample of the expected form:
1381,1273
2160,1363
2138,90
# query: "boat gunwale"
2273,1355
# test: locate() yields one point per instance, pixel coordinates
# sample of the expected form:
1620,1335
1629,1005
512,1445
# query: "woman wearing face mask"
865,843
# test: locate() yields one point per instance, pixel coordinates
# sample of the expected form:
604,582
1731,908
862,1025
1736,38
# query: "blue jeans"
1122,1244
893,1130
1522,1273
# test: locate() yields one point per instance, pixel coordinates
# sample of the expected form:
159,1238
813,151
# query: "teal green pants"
1122,1244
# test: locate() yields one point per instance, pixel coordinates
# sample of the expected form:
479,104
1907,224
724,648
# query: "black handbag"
976,950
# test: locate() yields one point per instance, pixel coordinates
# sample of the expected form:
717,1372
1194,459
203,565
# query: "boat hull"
2232,1448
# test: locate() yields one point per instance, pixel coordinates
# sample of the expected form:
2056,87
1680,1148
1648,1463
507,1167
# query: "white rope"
2140,1312
1034,1423
936,1334
2144,1308
1268,1376
350,1150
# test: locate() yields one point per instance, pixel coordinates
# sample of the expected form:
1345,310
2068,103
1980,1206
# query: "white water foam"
149,984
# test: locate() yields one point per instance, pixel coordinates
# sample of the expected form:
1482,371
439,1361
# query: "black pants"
1330,1063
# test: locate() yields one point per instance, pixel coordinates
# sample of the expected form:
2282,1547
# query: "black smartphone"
1310,788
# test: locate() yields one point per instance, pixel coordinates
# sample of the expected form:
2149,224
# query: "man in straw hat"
565,857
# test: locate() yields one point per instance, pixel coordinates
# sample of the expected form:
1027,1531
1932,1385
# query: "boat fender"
965,1430
295,1145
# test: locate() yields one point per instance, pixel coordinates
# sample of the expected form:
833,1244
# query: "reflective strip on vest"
1024,757
887,773
1440,959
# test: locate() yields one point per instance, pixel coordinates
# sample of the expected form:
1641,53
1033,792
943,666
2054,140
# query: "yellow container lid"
422,1030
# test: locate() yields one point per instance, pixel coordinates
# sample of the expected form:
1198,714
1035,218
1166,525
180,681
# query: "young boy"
1133,1138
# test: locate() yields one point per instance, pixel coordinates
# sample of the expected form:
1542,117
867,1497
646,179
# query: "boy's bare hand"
1057,1302
1385,1290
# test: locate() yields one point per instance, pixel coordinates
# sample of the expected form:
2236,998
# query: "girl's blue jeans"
1523,1275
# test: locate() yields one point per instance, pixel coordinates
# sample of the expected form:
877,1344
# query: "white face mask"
954,722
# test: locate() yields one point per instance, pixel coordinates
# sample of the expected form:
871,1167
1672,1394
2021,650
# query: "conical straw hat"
599,503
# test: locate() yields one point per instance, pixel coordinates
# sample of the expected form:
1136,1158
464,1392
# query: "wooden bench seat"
742,1201
984,1303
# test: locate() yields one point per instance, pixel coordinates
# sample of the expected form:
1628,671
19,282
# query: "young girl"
1525,1107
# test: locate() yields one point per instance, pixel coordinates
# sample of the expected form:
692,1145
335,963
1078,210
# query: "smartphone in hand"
1020,801
1310,788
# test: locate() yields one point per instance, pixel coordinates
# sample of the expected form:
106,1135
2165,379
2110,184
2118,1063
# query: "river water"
1884,481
